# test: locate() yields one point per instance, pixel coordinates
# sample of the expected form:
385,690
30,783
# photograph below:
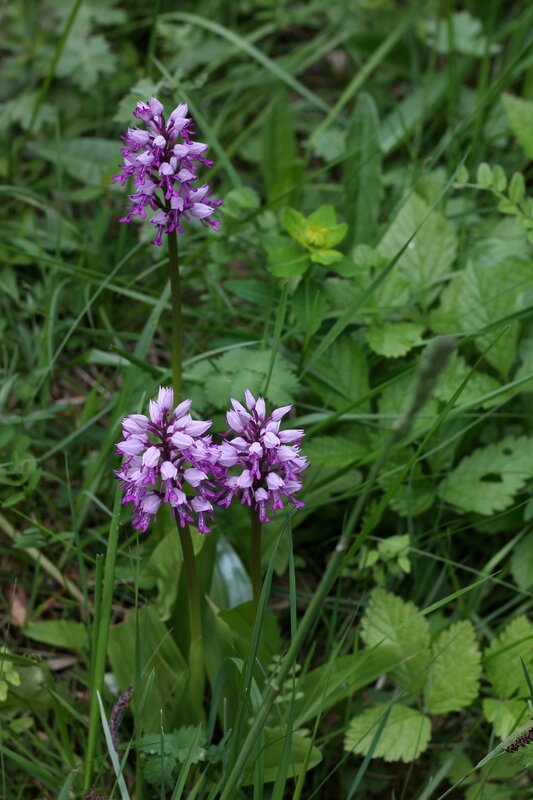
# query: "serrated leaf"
429,255
520,116
488,479
345,373
478,298
504,714
392,623
455,372
466,35
406,733
363,188
241,369
414,495
502,659
455,670
86,61
394,339
395,399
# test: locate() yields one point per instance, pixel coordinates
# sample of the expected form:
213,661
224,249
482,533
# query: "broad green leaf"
522,562
453,375
319,232
488,791
395,399
280,165
455,669
58,633
479,297
285,259
502,659
394,339
361,178
406,733
484,175
520,116
252,290
488,480
505,715
241,619
430,254
345,374
157,650
239,203
86,61
273,754
395,625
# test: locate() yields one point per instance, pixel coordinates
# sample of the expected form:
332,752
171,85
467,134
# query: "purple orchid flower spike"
167,458
262,464
163,162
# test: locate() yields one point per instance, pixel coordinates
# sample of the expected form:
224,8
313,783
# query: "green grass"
418,490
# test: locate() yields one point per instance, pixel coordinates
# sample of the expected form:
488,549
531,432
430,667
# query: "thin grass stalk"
99,656
255,557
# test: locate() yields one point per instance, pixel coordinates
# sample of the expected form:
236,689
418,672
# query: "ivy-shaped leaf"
487,480
502,659
406,733
455,670
392,623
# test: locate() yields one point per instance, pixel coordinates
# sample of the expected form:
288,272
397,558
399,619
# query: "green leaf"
394,339
455,669
517,189
487,480
285,259
453,375
395,625
415,494
143,89
89,160
522,562
325,686
431,253
484,175
334,452
325,257
478,298
273,754
240,202
308,306
345,373
280,165
157,650
504,714
405,736
58,633
361,177
461,33
502,659
520,116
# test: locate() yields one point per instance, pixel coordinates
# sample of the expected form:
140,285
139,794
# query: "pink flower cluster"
163,162
170,458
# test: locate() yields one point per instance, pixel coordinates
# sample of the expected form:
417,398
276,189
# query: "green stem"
255,557
314,610
196,647
175,295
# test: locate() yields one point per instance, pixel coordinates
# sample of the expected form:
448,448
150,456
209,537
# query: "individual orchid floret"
163,161
167,459
262,464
